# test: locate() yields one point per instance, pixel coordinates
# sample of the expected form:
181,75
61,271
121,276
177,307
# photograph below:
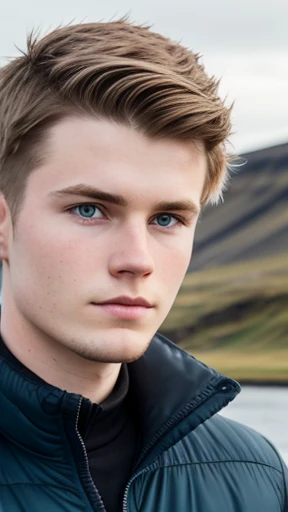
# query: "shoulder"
221,464
241,441
222,440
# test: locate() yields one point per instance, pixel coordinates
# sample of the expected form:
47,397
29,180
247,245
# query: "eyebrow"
100,195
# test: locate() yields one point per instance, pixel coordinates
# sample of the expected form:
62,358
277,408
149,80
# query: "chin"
124,351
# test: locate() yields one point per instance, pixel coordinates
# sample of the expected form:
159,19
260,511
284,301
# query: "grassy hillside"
235,318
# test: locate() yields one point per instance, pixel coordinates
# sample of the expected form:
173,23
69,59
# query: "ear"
5,227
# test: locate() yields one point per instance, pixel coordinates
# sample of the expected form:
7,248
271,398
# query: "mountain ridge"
252,221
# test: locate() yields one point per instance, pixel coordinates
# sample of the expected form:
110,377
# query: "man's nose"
131,252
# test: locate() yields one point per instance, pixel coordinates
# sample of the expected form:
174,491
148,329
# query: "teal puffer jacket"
192,459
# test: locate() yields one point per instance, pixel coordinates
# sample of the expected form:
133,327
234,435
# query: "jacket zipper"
125,497
101,508
221,386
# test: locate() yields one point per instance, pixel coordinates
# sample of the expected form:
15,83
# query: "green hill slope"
235,318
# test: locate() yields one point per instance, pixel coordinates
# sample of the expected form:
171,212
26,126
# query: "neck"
53,362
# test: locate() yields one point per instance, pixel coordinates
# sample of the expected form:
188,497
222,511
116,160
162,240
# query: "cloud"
244,41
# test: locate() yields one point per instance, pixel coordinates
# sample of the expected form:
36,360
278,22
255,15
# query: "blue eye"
87,210
164,220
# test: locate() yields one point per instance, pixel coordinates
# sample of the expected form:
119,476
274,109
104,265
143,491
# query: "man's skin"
58,264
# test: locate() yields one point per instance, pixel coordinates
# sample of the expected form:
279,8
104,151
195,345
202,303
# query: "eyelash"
87,221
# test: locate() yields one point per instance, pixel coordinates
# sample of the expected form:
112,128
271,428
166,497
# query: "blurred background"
232,310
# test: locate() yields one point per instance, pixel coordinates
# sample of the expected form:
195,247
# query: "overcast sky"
243,41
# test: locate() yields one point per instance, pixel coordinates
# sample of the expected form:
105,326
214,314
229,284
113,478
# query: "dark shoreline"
264,384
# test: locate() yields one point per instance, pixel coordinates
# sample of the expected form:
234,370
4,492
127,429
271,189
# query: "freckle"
54,359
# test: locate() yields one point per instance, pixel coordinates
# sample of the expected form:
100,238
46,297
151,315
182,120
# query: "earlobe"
4,228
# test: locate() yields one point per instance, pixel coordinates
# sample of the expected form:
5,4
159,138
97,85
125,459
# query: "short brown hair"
117,71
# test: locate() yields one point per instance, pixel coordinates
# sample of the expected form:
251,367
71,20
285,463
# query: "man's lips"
126,301
125,308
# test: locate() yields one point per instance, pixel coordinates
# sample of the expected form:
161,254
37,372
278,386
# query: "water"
265,409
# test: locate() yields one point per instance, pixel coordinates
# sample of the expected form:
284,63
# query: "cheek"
174,265
48,274
54,248
43,261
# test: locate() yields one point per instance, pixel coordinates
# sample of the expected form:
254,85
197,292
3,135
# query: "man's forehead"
94,133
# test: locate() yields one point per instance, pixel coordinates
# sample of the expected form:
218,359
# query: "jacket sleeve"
285,479
284,497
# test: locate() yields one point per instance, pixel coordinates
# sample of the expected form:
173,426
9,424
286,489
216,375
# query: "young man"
112,139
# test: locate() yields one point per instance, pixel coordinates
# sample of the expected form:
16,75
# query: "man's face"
72,251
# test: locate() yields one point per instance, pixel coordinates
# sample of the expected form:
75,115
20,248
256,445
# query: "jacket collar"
172,392
175,393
